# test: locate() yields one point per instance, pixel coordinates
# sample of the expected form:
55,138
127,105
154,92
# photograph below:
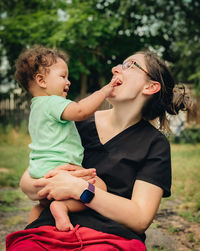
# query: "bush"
23,127
10,134
189,135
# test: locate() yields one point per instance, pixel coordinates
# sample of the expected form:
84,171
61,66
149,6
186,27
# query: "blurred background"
97,35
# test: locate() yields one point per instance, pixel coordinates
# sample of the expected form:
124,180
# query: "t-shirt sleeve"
157,167
56,106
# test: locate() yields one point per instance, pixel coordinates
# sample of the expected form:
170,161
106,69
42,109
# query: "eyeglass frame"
124,67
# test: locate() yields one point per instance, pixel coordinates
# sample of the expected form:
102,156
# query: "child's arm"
87,106
27,183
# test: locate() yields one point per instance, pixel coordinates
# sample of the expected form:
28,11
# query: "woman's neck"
123,115
110,123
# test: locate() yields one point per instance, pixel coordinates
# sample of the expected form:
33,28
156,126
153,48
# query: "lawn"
186,177
14,153
14,157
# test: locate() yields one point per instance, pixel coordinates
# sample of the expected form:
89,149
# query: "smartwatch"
88,194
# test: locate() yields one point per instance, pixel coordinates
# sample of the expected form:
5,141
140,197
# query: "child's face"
57,82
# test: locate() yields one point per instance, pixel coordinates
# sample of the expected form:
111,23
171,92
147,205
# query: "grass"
186,177
172,229
13,162
14,157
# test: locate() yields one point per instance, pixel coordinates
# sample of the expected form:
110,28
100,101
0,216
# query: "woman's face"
131,80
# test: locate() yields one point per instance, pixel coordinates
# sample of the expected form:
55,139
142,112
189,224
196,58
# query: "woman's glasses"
128,64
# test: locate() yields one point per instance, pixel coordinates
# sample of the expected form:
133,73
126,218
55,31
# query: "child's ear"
40,80
151,88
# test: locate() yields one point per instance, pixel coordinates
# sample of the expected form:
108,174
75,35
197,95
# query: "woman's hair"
171,98
35,60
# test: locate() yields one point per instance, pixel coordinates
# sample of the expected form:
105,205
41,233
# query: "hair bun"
181,100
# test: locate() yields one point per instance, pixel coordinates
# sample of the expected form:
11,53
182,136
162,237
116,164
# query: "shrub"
188,135
10,134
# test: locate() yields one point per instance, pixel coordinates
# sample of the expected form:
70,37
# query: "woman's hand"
76,171
61,186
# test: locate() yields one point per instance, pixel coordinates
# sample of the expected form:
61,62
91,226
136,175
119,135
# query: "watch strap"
91,187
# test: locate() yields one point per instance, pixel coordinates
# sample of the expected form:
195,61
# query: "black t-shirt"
140,152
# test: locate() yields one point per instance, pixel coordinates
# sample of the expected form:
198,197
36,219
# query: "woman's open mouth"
117,82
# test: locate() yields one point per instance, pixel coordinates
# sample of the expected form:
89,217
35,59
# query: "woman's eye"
129,64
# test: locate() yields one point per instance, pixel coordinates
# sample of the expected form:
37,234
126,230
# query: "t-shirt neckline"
113,139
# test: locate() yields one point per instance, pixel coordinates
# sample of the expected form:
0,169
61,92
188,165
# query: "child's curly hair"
35,60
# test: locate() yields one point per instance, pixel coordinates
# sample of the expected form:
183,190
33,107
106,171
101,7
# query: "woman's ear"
151,88
40,80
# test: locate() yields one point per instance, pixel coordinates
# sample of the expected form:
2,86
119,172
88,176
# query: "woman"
129,154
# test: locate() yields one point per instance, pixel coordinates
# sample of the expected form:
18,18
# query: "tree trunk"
84,88
101,81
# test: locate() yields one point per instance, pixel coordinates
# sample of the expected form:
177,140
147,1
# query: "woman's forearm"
136,213
27,185
119,209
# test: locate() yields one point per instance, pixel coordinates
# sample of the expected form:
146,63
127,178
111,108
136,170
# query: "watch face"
86,196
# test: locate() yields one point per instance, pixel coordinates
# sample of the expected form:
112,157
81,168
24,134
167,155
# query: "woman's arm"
136,213
27,183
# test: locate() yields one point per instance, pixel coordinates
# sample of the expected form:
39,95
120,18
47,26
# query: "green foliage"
1,129
99,34
12,135
188,136
23,129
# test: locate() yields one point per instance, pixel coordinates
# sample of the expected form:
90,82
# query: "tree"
98,34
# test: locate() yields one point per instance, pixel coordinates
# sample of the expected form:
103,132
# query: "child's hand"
76,171
109,88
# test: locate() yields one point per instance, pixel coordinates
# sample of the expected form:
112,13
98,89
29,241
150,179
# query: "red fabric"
81,238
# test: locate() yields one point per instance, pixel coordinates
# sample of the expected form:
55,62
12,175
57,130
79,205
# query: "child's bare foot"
59,211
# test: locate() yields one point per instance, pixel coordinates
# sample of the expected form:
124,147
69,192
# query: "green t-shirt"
54,141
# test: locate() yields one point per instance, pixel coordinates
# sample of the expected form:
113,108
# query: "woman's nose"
117,69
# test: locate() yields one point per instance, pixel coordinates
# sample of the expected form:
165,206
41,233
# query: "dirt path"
172,232
14,220
169,231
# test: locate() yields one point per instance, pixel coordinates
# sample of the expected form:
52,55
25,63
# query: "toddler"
43,72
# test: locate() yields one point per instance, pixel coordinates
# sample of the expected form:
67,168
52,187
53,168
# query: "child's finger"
50,174
84,172
66,167
92,181
115,82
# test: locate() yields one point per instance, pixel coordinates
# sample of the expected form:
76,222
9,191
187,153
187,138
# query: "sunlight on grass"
186,176
14,157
